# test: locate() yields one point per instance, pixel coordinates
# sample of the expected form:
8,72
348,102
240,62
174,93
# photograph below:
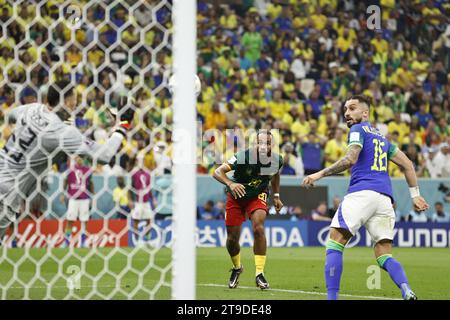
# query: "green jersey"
252,173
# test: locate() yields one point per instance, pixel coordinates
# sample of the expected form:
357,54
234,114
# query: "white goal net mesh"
106,49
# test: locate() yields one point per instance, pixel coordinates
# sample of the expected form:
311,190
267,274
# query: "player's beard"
353,122
263,156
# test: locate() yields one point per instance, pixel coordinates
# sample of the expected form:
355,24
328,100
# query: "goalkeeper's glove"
125,113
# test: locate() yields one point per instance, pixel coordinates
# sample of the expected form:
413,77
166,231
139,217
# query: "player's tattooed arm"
408,169
345,163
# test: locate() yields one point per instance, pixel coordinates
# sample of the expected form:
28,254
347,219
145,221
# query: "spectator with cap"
29,95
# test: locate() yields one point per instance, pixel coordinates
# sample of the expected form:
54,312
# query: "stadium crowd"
281,64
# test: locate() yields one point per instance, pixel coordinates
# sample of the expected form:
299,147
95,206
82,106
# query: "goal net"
87,230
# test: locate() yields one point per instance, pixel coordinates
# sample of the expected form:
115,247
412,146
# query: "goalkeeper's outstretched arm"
70,140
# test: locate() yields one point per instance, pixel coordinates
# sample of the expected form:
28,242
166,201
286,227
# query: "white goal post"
184,155
105,50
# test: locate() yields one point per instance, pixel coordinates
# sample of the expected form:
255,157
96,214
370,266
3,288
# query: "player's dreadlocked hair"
362,98
264,131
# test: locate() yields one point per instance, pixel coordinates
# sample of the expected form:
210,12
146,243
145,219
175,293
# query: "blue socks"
395,270
333,268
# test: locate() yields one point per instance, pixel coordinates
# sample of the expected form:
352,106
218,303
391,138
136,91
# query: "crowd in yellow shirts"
281,64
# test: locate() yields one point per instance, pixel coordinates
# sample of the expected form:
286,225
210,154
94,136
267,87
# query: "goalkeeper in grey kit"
40,138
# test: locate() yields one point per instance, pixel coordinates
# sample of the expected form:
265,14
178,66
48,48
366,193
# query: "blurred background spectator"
439,214
121,198
336,203
320,213
209,211
417,216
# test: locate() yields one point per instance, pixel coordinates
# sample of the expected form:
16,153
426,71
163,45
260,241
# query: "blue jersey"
370,172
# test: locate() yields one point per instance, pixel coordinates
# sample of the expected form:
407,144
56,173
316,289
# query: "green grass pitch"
293,273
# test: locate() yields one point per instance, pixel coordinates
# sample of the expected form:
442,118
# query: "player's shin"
234,252
395,270
233,247
260,249
333,268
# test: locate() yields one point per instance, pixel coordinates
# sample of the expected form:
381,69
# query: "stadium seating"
298,47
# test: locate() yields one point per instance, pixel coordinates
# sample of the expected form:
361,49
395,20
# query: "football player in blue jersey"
369,199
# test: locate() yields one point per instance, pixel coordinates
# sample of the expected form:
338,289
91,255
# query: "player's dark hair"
63,87
362,98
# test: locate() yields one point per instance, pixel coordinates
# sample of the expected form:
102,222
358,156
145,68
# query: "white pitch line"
299,291
220,286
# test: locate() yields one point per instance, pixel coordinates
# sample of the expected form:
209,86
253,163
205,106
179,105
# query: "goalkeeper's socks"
395,270
333,268
260,262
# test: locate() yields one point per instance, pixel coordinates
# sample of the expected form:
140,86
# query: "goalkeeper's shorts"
238,210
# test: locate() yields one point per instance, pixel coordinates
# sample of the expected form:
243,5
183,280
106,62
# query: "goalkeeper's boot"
261,282
234,278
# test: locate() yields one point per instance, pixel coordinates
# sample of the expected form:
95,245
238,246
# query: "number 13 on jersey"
379,157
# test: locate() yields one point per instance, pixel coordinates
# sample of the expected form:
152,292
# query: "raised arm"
407,167
70,140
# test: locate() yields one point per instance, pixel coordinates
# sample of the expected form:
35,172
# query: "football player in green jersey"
247,193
